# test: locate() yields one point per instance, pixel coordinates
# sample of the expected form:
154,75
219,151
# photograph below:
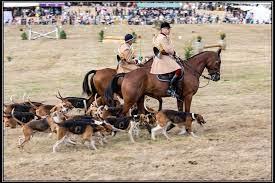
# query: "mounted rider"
166,62
128,60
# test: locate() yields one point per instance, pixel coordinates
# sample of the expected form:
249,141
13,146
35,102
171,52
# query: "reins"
182,62
191,68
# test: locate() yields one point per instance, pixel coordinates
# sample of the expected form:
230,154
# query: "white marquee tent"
261,14
11,5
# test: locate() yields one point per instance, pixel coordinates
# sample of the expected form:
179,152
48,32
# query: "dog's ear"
100,128
53,109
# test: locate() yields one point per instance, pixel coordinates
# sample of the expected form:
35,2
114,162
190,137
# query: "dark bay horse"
138,83
101,78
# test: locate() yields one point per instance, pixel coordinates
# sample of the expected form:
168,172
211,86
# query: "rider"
127,55
166,63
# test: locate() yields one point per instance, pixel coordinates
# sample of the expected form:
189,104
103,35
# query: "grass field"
234,144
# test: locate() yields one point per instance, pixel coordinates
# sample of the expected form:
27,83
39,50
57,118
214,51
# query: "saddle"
167,77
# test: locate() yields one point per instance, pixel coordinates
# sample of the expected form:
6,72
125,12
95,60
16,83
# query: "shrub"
9,58
199,38
101,35
62,35
135,37
188,50
24,36
222,36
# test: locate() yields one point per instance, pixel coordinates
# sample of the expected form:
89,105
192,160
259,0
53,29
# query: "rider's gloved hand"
136,61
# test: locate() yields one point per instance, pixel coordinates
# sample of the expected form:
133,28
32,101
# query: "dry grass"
235,143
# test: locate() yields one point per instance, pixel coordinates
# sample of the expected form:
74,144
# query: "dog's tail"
34,106
17,120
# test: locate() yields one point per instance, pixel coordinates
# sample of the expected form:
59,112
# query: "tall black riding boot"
171,90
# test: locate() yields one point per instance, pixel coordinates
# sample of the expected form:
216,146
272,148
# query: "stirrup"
172,93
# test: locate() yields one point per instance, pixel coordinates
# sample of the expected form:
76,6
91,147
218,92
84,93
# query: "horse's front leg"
126,107
187,102
180,104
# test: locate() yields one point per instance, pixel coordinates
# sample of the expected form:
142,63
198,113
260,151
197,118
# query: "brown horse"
100,80
138,83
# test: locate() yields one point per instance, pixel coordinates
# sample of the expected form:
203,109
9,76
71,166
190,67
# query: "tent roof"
244,8
52,4
159,5
19,4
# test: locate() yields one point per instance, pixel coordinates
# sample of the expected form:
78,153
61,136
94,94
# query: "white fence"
34,35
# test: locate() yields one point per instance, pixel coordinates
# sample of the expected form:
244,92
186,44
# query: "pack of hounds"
93,121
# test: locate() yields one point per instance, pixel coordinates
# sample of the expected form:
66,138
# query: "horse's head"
213,66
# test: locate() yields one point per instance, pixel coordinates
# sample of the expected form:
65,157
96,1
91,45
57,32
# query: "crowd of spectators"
129,13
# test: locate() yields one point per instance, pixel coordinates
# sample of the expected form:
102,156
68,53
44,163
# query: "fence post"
30,32
56,31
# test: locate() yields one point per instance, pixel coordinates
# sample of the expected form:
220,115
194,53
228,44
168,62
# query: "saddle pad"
167,77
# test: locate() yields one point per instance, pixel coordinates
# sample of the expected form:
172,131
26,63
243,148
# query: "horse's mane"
197,55
149,61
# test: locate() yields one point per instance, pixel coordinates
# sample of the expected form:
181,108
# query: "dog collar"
85,104
193,116
98,122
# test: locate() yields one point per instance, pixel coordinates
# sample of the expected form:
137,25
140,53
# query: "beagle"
85,126
182,119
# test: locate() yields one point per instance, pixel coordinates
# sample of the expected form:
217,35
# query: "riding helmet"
165,25
128,37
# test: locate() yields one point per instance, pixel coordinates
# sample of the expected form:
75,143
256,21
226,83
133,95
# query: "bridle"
210,71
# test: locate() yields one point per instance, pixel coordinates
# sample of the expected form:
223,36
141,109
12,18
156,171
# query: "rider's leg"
171,90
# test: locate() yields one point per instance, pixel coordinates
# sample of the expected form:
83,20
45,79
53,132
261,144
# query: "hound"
22,116
78,102
41,125
20,107
126,124
80,125
182,119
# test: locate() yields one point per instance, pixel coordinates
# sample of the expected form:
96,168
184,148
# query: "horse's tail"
111,89
86,89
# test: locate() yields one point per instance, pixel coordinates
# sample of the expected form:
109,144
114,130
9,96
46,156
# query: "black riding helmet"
128,37
165,25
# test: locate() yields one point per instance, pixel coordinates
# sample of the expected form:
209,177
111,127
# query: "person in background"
128,59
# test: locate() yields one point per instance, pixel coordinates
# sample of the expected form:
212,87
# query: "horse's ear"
156,51
219,51
118,58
